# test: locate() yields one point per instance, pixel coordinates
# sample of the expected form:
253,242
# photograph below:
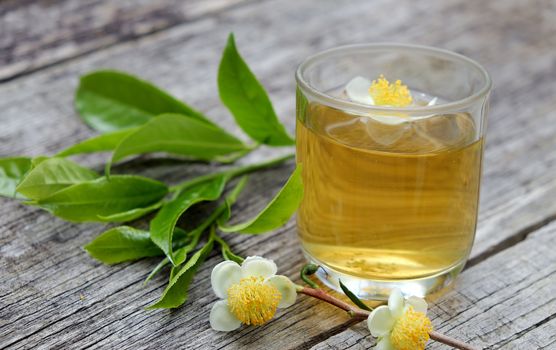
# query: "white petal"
380,321
357,90
419,304
390,119
223,276
396,303
384,344
286,288
258,266
221,319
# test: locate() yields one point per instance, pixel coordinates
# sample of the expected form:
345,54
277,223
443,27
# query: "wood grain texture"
53,295
41,33
514,310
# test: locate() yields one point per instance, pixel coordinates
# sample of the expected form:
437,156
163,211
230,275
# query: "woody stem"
322,295
359,314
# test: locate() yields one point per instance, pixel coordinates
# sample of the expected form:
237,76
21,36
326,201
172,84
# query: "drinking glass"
391,193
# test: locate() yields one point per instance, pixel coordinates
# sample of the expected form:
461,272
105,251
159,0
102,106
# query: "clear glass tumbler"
391,193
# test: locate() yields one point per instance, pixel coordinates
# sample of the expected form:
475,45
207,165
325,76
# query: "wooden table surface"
53,295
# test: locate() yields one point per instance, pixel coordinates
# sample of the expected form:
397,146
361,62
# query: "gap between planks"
510,241
507,243
19,73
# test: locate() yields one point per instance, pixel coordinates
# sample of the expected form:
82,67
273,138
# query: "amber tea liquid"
387,202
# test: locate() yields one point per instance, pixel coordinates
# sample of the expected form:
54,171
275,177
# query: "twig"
451,341
360,314
320,294
233,172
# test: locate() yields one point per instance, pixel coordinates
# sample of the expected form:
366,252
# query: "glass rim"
364,108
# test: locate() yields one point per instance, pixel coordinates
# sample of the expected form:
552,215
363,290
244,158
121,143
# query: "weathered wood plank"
206,39
36,34
506,302
43,268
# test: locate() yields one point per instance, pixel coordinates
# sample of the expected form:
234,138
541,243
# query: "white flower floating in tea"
381,92
251,293
403,324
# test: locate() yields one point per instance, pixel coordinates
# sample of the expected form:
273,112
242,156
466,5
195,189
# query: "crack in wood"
517,191
510,241
523,332
97,34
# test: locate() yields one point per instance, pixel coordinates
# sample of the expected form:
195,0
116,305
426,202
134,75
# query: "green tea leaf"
181,135
121,244
231,198
12,171
37,160
226,251
175,293
308,270
229,255
101,143
52,175
156,270
222,211
125,243
181,248
110,100
88,201
277,212
130,214
247,100
354,297
162,226
180,253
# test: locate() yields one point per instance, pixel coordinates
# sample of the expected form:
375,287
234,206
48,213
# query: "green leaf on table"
277,212
130,215
175,293
229,255
52,175
37,160
101,143
181,250
248,101
122,243
230,199
125,243
182,246
89,201
162,226
12,170
181,135
111,100
226,251
180,254
222,211
354,297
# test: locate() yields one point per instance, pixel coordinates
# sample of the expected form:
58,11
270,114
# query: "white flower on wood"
402,324
251,293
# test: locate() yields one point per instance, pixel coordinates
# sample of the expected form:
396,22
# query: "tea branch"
233,172
359,314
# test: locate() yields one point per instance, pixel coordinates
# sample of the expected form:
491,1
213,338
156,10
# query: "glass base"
380,289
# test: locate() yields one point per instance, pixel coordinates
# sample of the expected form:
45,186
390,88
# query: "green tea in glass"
391,139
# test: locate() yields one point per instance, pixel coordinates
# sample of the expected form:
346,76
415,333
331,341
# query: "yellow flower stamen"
386,94
411,331
252,301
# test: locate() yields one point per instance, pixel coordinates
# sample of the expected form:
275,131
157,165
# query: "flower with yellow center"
251,293
402,325
381,92
386,94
